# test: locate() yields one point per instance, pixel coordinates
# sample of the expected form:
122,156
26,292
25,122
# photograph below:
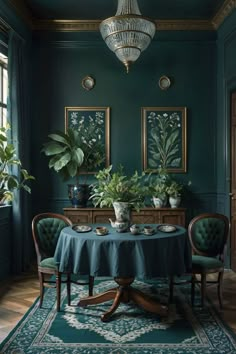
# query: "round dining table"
125,257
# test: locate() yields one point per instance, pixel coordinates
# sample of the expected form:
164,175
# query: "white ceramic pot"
158,202
174,201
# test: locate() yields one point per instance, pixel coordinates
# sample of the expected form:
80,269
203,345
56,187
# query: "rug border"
219,316
19,322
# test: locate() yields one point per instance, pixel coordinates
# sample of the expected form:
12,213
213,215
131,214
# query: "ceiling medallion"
127,33
88,83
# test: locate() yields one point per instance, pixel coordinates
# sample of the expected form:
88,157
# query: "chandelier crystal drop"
127,33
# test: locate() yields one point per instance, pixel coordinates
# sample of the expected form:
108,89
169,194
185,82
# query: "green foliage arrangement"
117,187
158,183
65,153
9,182
73,153
162,184
174,189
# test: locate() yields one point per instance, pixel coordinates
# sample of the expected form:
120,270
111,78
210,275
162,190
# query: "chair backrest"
208,234
46,228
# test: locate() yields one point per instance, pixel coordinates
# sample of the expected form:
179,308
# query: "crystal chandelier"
127,33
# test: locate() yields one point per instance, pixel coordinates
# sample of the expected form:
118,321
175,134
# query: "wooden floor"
19,293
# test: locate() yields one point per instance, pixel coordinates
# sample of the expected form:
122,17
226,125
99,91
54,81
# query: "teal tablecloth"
123,254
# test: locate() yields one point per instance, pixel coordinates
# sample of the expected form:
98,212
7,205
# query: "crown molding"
225,10
66,25
4,28
93,25
184,25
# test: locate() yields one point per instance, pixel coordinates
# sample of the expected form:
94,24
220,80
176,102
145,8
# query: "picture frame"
164,138
94,125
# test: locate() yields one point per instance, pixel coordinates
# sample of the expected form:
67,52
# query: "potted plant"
158,187
11,180
120,191
174,191
70,155
159,195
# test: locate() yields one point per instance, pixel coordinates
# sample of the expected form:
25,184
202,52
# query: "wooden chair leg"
68,286
219,288
91,283
58,286
203,289
192,289
171,289
41,288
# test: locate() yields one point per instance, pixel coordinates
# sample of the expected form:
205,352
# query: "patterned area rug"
131,330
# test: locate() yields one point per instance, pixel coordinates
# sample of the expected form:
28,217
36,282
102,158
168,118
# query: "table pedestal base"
124,293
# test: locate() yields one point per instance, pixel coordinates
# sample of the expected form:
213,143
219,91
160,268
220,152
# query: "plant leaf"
53,148
62,161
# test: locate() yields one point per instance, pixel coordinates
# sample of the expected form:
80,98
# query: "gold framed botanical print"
164,138
93,125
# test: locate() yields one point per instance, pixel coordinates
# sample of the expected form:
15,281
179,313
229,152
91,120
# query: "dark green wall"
59,65
226,73
226,84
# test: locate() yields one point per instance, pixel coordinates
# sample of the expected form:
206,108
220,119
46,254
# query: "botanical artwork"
93,124
164,138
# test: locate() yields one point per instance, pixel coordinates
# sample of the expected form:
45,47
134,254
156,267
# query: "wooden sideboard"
146,215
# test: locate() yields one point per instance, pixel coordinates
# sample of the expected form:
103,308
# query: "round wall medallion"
88,83
164,82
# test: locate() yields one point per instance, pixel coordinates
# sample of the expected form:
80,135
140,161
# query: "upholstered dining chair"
208,235
46,228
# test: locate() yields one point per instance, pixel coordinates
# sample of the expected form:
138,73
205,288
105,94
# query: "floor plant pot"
79,195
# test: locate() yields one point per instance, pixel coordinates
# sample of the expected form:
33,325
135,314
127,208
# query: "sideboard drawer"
79,216
146,215
100,217
172,217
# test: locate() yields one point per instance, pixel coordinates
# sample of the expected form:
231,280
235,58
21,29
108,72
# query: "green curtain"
3,42
19,119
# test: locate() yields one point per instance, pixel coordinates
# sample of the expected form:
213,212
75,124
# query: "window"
3,90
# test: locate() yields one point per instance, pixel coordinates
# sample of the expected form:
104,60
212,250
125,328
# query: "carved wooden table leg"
98,299
124,293
147,302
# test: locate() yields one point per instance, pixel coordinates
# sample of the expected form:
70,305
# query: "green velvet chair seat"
48,263
203,262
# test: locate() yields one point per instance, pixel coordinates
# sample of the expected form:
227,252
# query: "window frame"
3,105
